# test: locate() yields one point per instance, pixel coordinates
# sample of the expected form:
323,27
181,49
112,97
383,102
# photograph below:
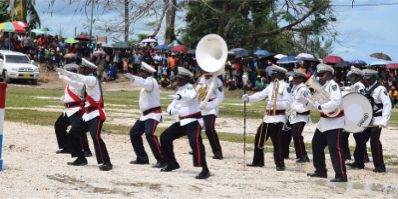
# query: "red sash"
98,105
76,99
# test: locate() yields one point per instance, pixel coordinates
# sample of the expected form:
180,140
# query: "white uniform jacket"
358,87
216,95
298,105
76,88
380,96
283,101
149,97
186,108
326,124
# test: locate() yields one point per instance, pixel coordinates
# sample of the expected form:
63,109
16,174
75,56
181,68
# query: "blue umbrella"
162,47
287,60
238,52
261,52
358,62
378,64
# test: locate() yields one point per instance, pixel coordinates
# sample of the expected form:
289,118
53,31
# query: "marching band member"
278,99
74,107
93,117
329,129
381,103
151,115
185,106
300,114
210,110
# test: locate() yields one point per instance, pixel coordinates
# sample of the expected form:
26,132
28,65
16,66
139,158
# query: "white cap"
356,71
183,72
278,69
299,73
147,67
324,68
367,73
86,63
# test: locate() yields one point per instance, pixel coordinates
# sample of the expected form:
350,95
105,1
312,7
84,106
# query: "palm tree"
24,10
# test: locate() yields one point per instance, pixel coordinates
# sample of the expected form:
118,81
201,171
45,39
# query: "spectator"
393,93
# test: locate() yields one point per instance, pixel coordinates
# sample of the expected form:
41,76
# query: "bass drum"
357,112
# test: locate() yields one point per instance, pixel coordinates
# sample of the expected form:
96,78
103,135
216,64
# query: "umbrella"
40,31
380,63
99,53
392,65
162,47
149,40
11,27
343,64
381,56
21,23
71,40
69,55
358,62
82,37
261,52
332,59
71,67
279,56
306,57
287,60
180,48
238,52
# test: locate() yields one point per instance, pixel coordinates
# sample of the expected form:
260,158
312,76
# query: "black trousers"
334,140
148,127
211,133
175,131
275,132
61,126
375,145
94,126
346,145
295,131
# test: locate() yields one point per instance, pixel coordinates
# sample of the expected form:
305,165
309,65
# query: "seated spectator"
231,84
164,81
259,84
393,93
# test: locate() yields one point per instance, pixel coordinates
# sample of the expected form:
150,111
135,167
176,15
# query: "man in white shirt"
185,107
278,98
151,115
330,128
381,104
93,117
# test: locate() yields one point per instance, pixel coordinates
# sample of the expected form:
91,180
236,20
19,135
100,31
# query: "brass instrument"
319,95
202,92
274,97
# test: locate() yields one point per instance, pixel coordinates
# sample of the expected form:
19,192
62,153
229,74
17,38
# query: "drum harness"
368,94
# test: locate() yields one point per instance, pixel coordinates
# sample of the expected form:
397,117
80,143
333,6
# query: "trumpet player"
381,104
330,127
277,95
299,114
209,109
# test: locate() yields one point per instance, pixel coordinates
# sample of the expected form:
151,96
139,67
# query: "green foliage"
4,15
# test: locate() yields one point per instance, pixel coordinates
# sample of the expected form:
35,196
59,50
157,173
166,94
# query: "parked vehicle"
16,65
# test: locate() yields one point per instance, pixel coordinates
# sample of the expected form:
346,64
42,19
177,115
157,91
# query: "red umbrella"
82,37
21,23
180,48
332,59
392,65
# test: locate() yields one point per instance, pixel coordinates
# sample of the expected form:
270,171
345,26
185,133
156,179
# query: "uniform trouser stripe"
213,132
278,136
155,139
339,152
98,140
198,145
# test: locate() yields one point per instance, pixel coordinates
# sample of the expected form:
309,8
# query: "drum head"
357,112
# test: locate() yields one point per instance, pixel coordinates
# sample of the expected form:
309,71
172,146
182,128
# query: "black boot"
88,153
339,179
303,159
159,164
218,155
317,175
205,173
255,165
355,165
62,151
139,161
81,161
170,167
106,167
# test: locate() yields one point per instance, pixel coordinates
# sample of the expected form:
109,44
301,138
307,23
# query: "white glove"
383,125
203,105
317,105
245,98
176,97
129,76
271,102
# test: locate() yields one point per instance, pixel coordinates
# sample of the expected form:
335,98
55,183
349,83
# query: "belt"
152,110
277,112
196,115
72,104
304,113
341,114
90,109
378,114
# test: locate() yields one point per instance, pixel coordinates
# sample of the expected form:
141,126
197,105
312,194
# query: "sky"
362,30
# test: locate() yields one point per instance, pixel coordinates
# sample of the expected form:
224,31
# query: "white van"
16,65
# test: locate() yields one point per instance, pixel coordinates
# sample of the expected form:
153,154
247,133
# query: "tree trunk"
221,21
170,20
126,20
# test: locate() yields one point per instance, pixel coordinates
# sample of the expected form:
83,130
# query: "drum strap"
368,94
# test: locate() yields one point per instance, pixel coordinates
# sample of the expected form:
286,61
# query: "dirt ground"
33,170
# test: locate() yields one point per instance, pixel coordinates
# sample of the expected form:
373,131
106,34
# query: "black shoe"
205,173
88,153
139,161
159,164
78,162
379,170
254,165
355,165
170,167
105,167
366,158
303,160
218,155
317,175
62,151
190,153
280,168
338,179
